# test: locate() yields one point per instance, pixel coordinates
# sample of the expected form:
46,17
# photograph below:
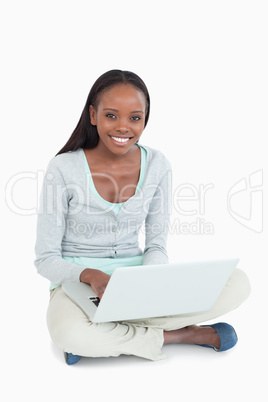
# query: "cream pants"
73,332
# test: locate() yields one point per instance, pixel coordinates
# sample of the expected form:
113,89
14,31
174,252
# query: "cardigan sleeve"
53,207
157,223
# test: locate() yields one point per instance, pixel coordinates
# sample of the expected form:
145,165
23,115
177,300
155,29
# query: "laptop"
145,291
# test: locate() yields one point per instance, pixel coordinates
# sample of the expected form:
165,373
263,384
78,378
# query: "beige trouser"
72,331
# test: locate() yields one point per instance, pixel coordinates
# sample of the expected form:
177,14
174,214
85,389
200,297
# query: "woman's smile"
120,140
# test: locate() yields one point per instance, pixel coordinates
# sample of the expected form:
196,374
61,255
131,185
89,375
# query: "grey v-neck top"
73,221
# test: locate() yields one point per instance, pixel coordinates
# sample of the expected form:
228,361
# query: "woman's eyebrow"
115,110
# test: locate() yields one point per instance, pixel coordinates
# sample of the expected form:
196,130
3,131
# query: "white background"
205,64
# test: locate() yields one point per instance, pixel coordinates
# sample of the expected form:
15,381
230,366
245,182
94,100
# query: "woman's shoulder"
155,156
66,160
66,157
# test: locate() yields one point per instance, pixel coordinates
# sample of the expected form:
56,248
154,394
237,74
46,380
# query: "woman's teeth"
118,139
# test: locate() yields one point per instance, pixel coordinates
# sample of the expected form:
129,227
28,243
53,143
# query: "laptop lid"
145,291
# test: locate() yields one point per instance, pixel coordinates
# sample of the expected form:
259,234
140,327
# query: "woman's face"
119,117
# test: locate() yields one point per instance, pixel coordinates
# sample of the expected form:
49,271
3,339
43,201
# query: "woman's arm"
51,223
157,222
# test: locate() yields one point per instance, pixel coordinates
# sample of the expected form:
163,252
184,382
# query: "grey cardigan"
73,221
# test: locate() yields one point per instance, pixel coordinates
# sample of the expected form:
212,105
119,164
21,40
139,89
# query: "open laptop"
147,291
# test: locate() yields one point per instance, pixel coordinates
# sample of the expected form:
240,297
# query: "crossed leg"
72,331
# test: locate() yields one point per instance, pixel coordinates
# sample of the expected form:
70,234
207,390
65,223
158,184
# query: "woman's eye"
136,118
110,116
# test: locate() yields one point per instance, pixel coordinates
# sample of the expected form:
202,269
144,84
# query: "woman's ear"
92,112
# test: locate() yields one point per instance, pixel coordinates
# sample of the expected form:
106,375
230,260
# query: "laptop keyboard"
95,300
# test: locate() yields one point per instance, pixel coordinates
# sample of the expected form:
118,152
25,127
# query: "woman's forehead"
123,95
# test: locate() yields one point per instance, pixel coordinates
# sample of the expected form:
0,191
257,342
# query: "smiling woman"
98,192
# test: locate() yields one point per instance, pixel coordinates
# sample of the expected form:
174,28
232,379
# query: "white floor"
35,368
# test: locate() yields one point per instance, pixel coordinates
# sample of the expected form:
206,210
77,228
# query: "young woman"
98,191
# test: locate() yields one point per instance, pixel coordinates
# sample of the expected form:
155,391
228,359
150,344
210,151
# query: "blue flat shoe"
227,334
71,359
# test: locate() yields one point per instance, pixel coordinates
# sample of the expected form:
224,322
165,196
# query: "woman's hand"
98,280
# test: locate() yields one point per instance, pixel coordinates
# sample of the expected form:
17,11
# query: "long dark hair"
85,135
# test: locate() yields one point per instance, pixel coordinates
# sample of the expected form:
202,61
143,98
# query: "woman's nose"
122,127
